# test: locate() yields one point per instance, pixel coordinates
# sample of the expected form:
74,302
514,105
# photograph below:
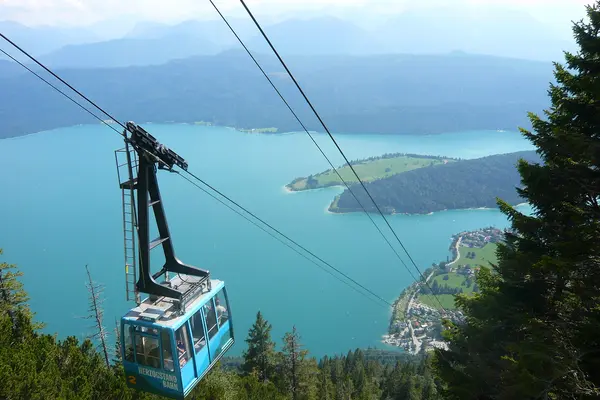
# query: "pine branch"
118,359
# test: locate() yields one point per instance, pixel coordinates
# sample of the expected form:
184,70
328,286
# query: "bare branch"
97,313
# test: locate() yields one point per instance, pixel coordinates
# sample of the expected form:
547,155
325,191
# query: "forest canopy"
463,184
38,366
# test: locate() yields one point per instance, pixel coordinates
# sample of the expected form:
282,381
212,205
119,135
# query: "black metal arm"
152,154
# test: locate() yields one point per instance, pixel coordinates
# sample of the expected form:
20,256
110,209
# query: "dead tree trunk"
97,314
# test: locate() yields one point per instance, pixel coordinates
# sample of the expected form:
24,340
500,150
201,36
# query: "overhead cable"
332,139
200,180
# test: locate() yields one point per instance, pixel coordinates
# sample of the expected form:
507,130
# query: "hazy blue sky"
84,12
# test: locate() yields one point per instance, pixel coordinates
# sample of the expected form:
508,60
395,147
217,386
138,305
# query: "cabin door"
184,351
200,344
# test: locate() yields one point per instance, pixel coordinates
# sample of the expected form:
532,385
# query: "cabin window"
198,331
211,319
147,350
146,330
167,351
223,340
183,345
221,305
128,343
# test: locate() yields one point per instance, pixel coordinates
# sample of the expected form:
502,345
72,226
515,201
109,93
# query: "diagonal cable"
333,140
284,243
60,91
312,138
287,237
60,79
336,144
212,188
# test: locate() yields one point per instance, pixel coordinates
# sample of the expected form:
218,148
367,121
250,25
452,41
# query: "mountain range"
44,39
482,30
388,94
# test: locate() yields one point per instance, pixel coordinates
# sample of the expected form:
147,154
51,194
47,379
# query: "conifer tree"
297,370
532,330
324,384
13,300
260,356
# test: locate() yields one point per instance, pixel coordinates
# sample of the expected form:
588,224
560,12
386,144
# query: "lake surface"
60,209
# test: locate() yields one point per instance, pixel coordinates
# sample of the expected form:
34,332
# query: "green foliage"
532,330
38,366
13,299
458,185
219,385
298,373
260,356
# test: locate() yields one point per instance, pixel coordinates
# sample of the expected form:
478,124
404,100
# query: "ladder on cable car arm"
143,156
127,168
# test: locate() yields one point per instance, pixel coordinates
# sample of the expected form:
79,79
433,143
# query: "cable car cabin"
173,338
168,353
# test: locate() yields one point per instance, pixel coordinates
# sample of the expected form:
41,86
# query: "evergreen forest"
37,366
457,185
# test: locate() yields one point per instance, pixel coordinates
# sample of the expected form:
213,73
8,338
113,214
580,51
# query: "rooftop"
164,311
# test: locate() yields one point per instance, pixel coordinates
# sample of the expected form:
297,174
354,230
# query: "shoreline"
439,211
287,190
457,251
211,125
416,326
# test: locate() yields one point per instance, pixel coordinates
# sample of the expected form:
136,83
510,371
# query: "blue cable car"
168,354
176,335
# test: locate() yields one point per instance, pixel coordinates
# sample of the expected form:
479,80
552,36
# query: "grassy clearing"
455,280
399,312
483,256
447,301
369,170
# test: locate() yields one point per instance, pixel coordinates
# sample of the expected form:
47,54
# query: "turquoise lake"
60,209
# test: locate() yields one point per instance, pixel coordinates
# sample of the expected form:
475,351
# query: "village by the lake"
416,322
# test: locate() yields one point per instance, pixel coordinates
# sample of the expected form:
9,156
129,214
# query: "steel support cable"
60,79
60,91
205,183
197,178
287,237
311,137
334,142
286,244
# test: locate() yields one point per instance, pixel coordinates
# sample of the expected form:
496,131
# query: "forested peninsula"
368,169
458,185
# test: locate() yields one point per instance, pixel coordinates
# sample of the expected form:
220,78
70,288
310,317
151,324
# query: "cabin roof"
164,309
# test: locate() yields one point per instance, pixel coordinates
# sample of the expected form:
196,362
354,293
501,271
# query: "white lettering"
168,380
170,385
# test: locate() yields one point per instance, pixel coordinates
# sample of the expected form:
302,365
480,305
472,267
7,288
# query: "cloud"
85,12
